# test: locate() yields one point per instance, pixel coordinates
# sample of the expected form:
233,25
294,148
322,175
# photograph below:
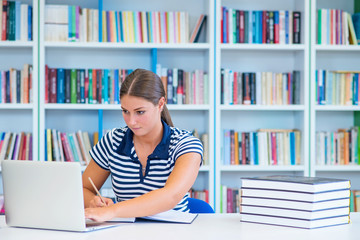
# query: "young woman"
152,164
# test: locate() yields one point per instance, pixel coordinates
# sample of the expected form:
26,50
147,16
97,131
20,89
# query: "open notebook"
49,195
170,216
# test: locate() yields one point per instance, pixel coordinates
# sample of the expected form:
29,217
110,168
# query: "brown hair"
146,84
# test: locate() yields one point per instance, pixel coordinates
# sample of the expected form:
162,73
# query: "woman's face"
140,115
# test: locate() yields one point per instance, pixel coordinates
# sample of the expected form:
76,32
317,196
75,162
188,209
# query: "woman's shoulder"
116,135
181,134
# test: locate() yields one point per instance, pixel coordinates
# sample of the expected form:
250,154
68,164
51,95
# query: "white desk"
206,226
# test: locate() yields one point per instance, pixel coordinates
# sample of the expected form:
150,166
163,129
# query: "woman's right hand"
96,202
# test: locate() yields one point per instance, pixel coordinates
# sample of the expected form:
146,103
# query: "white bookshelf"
328,117
261,58
210,56
14,54
71,117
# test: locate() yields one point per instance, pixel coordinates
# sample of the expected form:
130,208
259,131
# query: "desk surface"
205,226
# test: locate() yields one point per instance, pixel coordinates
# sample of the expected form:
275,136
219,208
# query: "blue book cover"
323,89
30,25
260,27
117,27
328,24
45,145
136,22
292,148
121,34
60,96
252,148
256,148
105,82
82,85
287,25
73,148
17,20
116,79
170,86
356,22
226,147
356,89
7,84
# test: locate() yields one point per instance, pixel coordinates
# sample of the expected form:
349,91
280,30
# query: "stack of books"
294,201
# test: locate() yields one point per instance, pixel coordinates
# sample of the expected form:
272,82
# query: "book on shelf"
264,147
199,194
15,146
76,24
16,85
81,86
335,27
260,27
15,21
259,88
338,148
229,199
199,26
184,87
295,201
69,147
355,201
356,23
337,87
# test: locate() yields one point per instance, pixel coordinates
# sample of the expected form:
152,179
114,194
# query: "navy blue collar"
161,151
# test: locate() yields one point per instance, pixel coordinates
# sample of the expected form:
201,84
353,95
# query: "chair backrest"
199,206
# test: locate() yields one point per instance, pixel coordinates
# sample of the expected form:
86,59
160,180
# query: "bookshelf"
211,56
20,117
331,117
251,57
112,55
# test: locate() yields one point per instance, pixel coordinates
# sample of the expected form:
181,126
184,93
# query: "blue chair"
199,206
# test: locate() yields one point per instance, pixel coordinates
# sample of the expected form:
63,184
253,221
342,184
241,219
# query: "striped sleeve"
102,150
188,144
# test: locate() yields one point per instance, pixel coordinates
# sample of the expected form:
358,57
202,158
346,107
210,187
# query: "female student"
152,164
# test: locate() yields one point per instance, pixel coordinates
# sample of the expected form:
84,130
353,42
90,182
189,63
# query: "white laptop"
46,195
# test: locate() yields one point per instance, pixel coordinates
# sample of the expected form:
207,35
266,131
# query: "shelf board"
262,107
16,44
104,45
337,48
16,106
246,46
205,168
175,107
336,108
338,168
240,168
69,106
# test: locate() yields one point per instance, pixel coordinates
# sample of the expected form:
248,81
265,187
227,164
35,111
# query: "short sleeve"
188,144
101,151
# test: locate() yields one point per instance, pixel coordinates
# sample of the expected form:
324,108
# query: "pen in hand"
97,191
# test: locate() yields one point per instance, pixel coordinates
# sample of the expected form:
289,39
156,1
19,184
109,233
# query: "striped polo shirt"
115,152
